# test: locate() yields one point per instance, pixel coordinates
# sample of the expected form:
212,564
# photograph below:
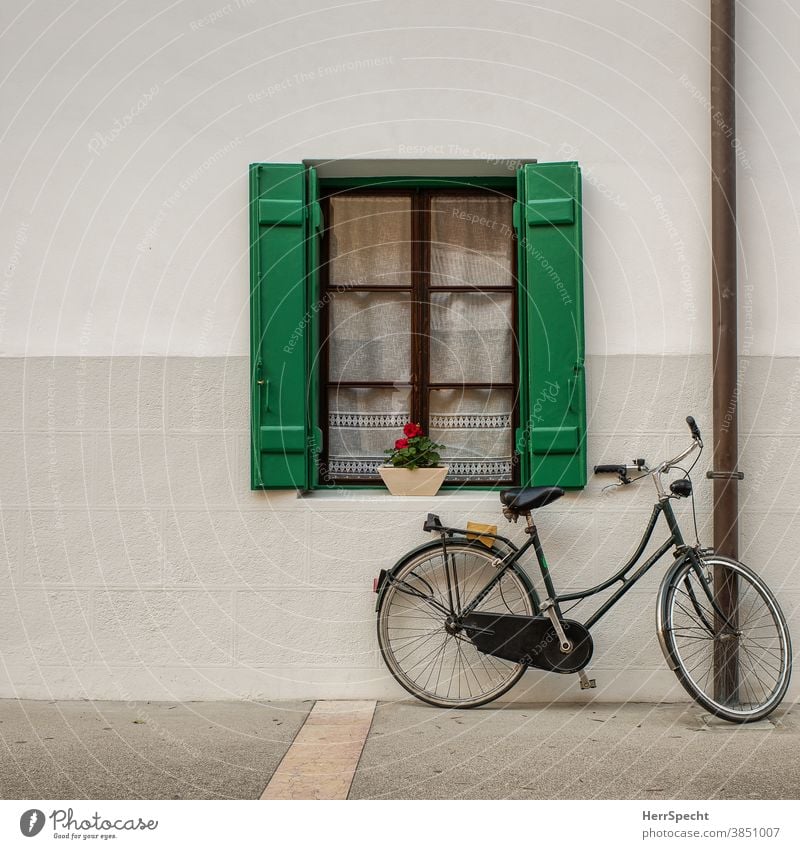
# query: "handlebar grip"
693,427
614,470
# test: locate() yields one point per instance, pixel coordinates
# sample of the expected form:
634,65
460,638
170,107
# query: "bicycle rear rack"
434,525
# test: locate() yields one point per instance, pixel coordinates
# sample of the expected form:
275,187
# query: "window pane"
370,241
475,425
370,337
361,424
471,242
471,338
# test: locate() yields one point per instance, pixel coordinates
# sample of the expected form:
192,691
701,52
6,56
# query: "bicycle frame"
675,540
691,605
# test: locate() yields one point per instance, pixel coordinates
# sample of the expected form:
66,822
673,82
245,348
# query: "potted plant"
413,464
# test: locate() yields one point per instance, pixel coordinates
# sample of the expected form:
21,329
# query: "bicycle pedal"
586,683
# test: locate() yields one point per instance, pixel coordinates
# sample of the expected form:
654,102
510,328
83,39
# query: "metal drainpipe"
724,314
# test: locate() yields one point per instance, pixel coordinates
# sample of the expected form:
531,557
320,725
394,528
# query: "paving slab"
149,750
322,760
563,751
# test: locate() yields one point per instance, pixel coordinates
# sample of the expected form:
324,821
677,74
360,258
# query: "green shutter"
316,227
279,224
552,435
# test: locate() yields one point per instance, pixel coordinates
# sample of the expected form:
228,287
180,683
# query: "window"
453,301
418,325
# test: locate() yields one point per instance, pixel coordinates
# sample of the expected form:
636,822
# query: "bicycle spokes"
424,643
737,663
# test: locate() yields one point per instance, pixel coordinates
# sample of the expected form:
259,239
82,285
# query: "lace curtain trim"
364,420
490,468
450,421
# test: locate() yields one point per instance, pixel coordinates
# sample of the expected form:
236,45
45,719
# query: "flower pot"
413,481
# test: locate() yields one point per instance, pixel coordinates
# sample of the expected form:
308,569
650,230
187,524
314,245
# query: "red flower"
411,430
401,443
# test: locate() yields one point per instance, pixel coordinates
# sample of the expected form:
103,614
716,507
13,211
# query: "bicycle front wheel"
736,666
434,662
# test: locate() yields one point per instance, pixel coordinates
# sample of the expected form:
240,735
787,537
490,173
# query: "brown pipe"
724,316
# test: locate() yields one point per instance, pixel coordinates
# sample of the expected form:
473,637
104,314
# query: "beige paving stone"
305,787
321,762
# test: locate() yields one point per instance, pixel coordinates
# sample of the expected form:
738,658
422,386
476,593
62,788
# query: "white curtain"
475,425
370,337
371,241
361,424
470,240
472,339
471,333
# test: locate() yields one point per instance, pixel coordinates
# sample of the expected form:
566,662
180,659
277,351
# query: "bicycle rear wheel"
736,668
435,664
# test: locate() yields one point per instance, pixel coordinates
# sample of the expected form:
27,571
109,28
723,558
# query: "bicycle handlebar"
622,470
697,442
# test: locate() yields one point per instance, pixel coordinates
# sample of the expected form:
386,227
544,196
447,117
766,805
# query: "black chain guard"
531,640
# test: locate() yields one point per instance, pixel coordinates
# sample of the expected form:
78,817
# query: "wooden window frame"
420,292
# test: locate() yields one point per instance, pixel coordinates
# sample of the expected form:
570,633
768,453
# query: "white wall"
137,562
124,251
123,246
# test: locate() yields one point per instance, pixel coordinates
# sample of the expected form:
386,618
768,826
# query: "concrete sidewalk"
212,750
593,751
148,750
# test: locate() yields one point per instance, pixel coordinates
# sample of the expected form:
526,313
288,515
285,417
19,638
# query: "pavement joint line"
321,762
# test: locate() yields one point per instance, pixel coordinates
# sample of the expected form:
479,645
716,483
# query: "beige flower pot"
413,482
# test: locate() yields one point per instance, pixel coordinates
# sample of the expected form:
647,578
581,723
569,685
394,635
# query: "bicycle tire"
762,657
515,592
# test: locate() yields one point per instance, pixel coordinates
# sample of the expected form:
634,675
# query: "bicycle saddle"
524,498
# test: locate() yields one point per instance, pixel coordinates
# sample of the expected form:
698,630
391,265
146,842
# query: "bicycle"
459,619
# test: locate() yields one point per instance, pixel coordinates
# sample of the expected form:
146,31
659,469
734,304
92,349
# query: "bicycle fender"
661,618
661,603
381,582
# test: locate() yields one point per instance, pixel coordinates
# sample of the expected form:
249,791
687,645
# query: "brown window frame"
420,292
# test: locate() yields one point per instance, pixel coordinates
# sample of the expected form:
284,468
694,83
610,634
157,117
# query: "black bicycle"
459,620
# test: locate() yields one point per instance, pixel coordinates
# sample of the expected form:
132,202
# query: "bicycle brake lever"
611,486
638,466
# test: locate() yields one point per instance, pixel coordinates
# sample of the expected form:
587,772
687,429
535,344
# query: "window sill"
341,498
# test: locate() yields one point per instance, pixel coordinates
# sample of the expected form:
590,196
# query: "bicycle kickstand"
586,683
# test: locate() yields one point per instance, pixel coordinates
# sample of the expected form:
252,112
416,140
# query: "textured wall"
137,562
125,160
